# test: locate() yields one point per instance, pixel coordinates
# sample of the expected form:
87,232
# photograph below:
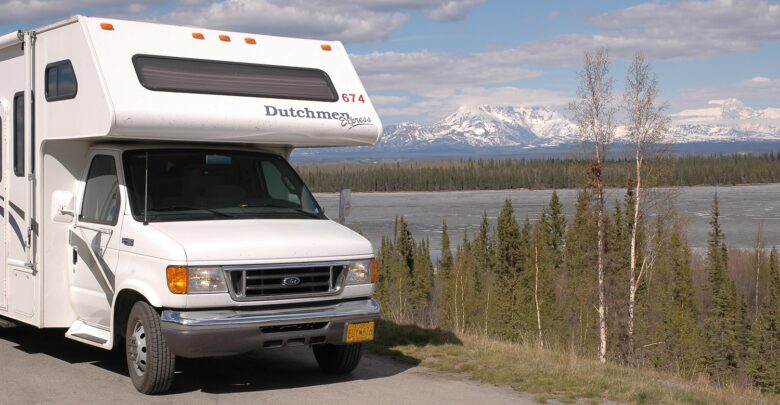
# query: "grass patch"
551,375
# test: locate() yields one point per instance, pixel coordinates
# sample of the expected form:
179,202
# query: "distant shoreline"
538,189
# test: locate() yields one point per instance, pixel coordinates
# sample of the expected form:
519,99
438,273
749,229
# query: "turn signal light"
250,41
326,47
177,279
374,270
198,35
225,38
107,26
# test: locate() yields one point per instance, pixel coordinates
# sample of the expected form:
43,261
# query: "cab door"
94,240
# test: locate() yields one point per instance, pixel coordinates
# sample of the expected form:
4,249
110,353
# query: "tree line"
553,173
524,281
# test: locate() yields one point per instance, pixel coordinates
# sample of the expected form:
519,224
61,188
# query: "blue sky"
421,59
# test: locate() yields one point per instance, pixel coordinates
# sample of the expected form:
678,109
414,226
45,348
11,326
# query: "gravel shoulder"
42,366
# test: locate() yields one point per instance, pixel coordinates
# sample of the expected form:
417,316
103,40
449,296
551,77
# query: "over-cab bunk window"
182,75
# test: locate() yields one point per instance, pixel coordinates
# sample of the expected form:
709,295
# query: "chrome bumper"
208,333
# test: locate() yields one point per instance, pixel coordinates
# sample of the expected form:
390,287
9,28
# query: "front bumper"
212,333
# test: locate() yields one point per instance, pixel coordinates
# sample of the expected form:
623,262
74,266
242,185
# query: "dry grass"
552,375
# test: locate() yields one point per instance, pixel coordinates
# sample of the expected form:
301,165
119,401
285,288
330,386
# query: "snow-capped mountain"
728,120
488,126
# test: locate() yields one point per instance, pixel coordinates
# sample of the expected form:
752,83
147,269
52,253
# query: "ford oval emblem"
291,281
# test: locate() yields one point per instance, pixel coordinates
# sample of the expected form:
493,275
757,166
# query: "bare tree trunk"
633,281
594,112
536,297
487,307
646,126
456,318
602,309
759,253
462,305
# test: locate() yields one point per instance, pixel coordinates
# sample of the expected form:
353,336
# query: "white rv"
147,201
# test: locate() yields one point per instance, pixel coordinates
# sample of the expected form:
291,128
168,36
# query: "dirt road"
41,366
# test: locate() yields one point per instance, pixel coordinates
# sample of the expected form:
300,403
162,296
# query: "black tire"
150,363
338,359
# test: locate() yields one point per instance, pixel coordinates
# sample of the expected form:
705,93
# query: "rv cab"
148,203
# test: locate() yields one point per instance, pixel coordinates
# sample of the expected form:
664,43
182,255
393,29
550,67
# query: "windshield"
189,185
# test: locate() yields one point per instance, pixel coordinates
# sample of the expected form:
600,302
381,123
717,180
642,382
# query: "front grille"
283,281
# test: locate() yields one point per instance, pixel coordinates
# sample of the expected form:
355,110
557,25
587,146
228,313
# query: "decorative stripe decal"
95,263
14,226
16,209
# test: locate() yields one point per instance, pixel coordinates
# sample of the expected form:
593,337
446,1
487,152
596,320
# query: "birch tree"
646,126
594,112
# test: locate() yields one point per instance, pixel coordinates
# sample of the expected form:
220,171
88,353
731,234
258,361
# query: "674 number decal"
353,98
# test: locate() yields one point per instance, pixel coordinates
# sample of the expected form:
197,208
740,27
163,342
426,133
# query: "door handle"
75,256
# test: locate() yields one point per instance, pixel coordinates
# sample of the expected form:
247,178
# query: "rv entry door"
94,240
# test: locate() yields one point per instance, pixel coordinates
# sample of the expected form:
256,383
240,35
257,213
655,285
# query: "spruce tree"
444,281
671,309
764,350
508,245
725,323
422,283
580,295
557,228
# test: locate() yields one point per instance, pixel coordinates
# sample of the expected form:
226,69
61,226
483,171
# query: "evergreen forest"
714,313
487,174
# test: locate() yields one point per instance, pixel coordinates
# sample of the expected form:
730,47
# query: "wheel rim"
136,349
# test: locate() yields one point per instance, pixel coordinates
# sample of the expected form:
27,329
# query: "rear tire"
150,363
338,359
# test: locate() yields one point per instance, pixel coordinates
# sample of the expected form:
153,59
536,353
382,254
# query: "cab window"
101,193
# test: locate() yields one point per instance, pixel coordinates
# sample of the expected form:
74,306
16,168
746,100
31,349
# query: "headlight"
195,280
361,272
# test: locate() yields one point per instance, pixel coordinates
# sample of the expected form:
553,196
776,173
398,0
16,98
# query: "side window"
18,133
61,81
101,194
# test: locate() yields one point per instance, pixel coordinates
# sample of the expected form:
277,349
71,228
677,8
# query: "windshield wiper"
184,207
296,209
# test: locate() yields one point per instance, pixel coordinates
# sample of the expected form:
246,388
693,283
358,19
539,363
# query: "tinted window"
233,79
101,194
188,185
61,81
19,134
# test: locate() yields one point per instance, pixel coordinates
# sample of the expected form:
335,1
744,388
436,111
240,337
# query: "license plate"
360,332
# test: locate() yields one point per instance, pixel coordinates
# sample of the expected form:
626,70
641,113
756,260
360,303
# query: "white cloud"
452,10
430,73
348,20
762,83
313,18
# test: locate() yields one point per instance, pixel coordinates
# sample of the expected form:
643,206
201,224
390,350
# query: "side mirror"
345,203
62,207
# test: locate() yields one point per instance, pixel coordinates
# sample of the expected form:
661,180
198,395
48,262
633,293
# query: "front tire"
150,363
338,359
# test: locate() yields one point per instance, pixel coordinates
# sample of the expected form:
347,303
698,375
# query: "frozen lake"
742,209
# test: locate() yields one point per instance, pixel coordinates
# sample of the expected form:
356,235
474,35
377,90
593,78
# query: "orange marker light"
107,26
374,270
250,41
177,279
225,38
326,47
198,35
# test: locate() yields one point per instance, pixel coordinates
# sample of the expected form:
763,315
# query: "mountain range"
504,130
